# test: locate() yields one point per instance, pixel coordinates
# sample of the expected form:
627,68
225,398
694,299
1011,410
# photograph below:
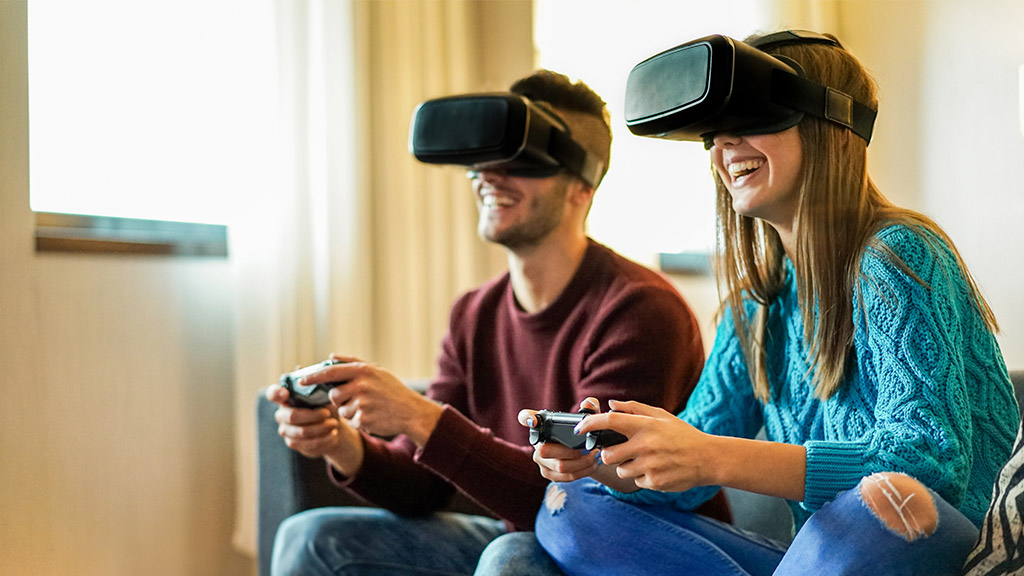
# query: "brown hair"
582,109
839,213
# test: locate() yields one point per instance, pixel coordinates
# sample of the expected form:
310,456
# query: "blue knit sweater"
929,394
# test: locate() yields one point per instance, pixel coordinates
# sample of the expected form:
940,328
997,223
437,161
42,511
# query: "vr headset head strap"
810,97
574,157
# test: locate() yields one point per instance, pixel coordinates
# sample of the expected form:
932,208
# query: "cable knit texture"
928,394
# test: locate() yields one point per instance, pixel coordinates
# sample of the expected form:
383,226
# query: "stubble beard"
545,215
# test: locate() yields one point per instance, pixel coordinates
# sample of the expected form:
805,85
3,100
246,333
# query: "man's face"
517,211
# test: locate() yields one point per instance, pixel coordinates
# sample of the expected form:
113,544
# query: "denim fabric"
594,532
375,542
516,554
847,538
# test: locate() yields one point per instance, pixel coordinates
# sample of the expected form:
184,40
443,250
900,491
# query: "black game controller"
559,426
313,395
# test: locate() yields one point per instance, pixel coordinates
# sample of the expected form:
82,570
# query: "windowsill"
685,263
110,235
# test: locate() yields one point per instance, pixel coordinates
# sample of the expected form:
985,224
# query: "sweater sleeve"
911,403
391,479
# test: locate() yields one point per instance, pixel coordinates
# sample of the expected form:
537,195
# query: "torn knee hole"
902,503
554,498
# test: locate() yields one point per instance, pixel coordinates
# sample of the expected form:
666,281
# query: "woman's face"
762,173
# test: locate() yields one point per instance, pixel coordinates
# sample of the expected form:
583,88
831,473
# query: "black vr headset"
501,131
717,84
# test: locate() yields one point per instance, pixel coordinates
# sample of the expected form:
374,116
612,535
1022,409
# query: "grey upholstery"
289,483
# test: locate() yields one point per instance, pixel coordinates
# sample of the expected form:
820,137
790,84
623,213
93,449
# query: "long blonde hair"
840,211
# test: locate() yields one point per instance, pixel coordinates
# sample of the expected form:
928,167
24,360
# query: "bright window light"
1020,94
658,195
159,109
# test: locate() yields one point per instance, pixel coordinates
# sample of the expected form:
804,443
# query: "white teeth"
738,169
491,201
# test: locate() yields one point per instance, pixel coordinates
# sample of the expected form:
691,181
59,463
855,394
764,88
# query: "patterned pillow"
1000,548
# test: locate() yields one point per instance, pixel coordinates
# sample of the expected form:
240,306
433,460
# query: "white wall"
116,422
949,140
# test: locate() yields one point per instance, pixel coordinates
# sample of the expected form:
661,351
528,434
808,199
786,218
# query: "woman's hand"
663,452
560,463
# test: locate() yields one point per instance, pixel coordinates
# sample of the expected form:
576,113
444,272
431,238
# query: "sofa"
289,483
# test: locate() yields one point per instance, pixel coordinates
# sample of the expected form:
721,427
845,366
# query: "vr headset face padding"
718,84
498,130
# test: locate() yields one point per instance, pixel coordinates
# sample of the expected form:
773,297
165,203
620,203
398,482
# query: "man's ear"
580,192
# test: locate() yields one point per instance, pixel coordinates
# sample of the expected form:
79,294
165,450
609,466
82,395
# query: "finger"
590,403
528,418
334,373
347,412
560,470
342,395
638,408
303,416
618,456
276,394
342,358
557,451
309,431
312,447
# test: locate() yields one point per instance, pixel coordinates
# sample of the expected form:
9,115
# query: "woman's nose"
726,139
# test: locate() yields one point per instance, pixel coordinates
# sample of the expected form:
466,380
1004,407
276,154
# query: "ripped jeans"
595,533
374,542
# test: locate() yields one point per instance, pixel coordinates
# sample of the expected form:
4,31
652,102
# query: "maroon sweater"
618,331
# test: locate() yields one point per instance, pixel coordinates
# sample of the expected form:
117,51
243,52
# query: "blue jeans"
374,542
596,533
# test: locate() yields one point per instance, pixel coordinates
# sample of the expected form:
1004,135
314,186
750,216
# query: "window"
160,110
658,196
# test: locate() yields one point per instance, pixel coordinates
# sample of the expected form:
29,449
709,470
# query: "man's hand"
317,432
377,402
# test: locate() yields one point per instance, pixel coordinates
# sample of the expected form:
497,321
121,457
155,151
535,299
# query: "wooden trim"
686,263
110,235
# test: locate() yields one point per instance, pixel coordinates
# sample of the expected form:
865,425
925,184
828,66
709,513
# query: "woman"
852,331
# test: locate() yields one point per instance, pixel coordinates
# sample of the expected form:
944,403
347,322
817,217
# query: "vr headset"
717,84
501,131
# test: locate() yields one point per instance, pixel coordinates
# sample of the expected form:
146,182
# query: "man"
570,319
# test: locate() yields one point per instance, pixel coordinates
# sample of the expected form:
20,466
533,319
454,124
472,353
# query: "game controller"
560,426
313,395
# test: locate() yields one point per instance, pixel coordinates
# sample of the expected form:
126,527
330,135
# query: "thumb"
527,418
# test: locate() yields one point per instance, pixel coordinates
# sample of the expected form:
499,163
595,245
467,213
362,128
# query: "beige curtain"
362,249
817,15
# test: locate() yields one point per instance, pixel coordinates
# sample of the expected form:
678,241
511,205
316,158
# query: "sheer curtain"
358,249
